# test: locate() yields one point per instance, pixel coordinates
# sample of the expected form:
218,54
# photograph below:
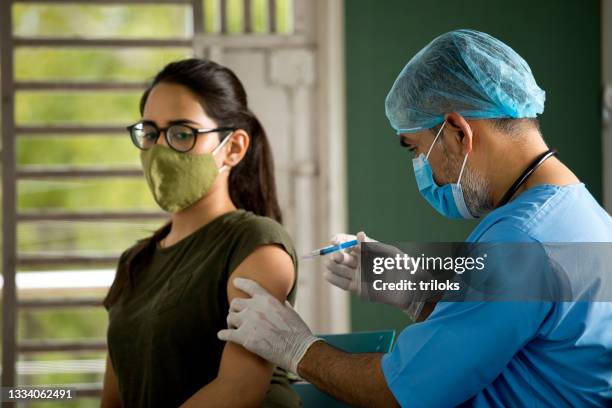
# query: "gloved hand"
266,327
344,271
344,267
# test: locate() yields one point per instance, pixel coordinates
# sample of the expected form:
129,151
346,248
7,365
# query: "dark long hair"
251,182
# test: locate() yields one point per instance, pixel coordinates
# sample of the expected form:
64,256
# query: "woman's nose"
161,140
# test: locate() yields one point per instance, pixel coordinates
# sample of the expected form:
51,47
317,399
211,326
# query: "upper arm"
273,269
110,390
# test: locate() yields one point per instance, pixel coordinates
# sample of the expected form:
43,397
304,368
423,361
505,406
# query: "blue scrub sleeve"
459,350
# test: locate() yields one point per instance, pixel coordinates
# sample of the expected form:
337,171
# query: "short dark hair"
508,126
512,126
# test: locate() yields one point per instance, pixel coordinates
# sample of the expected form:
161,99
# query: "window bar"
9,199
248,16
98,216
100,42
223,15
11,258
80,85
47,172
107,2
60,303
38,346
272,16
30,260
197,10
55,131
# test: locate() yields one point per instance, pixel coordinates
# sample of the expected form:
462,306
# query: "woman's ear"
462,129
236,147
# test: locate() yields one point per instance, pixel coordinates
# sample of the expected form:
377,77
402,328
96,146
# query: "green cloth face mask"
177,180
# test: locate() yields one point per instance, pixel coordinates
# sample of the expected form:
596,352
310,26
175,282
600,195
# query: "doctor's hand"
266,327
344,271
344,267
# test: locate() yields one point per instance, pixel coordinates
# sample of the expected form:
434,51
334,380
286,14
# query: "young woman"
207,161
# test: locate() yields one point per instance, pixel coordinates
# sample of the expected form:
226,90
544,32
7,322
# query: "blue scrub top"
514,354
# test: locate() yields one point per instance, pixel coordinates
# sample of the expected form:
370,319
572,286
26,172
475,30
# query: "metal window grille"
208,16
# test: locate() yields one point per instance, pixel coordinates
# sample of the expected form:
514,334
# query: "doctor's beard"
476,188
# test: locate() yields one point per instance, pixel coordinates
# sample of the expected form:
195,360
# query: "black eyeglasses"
179,137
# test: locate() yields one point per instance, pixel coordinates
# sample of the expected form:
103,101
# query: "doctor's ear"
462,128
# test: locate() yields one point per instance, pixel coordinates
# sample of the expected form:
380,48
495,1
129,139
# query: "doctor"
466,105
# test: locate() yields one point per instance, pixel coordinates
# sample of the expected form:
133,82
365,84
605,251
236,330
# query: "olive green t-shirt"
162,334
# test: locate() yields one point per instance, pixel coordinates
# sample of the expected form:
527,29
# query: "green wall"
560,39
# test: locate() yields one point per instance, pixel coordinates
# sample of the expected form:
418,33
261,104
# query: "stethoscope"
523,177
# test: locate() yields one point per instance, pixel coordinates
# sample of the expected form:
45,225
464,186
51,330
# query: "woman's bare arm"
243,377
110,390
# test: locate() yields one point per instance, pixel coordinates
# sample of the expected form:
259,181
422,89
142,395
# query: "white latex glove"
266,327
344,271
344,267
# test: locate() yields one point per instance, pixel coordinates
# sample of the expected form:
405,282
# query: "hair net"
464,71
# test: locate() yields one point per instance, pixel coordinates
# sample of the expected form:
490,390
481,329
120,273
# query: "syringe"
330,249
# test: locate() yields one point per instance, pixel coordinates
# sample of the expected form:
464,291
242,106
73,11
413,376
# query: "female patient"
207,162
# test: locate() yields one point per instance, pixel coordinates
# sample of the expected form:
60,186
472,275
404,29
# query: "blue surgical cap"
464,71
